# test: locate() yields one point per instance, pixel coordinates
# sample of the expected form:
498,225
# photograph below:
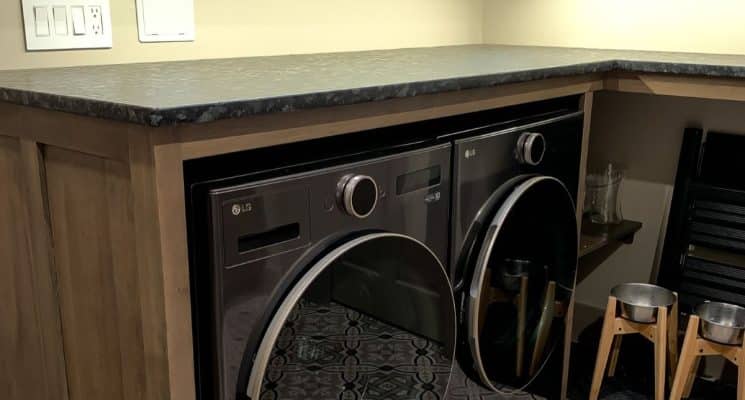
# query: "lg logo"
238,209
470,153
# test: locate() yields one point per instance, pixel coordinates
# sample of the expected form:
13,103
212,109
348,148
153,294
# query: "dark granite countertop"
167,93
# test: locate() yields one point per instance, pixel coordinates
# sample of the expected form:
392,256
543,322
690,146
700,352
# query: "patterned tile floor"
331,352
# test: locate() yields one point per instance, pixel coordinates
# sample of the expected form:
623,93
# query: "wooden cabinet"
94,295
81,304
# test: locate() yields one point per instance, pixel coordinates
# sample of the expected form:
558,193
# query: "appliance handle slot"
274,236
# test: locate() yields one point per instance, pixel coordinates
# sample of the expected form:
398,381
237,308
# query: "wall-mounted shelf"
597,236
597,242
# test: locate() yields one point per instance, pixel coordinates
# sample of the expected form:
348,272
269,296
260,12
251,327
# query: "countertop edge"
158,117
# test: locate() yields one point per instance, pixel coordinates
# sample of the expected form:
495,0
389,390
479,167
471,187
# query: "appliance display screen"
420,179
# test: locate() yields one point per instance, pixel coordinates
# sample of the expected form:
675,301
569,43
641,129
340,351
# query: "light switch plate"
165,20
92,31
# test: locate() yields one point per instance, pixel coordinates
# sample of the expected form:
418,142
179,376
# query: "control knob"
531,147
358,195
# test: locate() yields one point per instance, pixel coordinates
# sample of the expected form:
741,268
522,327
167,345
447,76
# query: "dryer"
514,248
323,277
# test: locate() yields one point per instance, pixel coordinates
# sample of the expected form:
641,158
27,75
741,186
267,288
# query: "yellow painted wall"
240,28
707,26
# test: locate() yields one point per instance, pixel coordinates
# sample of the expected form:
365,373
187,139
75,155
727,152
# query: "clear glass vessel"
602,198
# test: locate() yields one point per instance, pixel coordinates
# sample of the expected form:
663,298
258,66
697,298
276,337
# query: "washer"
323,279
514,248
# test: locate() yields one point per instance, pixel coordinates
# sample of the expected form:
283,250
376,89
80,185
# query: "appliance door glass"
374,318
522,282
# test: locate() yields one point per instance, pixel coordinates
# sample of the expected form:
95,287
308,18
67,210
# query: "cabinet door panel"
92,225
31,355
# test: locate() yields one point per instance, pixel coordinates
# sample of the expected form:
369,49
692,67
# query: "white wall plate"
67,24
165,20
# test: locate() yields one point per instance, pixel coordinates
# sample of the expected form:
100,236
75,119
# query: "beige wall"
644,133
713,26
238,28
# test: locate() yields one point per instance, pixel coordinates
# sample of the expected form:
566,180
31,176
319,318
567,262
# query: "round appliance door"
522,282
374,318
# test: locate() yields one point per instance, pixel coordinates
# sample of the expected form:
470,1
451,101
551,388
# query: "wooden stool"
663,333
694,347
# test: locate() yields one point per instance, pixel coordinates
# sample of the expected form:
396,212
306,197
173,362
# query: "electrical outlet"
95,20
67,24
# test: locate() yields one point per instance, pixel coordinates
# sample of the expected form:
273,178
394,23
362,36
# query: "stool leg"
606,340
660,353
741,373
672,338
688,358
521,316
691,378
614,356
741,381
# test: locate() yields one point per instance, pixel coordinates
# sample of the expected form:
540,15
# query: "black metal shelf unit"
704,252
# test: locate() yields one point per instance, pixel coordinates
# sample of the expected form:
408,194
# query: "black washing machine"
322,277
514,248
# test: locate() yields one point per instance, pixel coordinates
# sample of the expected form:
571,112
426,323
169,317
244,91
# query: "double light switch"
58,21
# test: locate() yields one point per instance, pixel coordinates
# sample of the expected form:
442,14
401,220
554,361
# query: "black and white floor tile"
330,352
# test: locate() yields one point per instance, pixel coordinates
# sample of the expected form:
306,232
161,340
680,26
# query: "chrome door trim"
261,360
459,275
481,267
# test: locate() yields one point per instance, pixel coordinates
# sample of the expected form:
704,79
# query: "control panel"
404,192
67,24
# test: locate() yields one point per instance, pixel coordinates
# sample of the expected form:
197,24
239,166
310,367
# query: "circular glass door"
373,319
522,283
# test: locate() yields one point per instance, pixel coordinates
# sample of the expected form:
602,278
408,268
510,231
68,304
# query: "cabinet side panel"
92,226
151,283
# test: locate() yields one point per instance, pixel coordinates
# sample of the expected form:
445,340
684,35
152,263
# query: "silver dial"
358,195
531,147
